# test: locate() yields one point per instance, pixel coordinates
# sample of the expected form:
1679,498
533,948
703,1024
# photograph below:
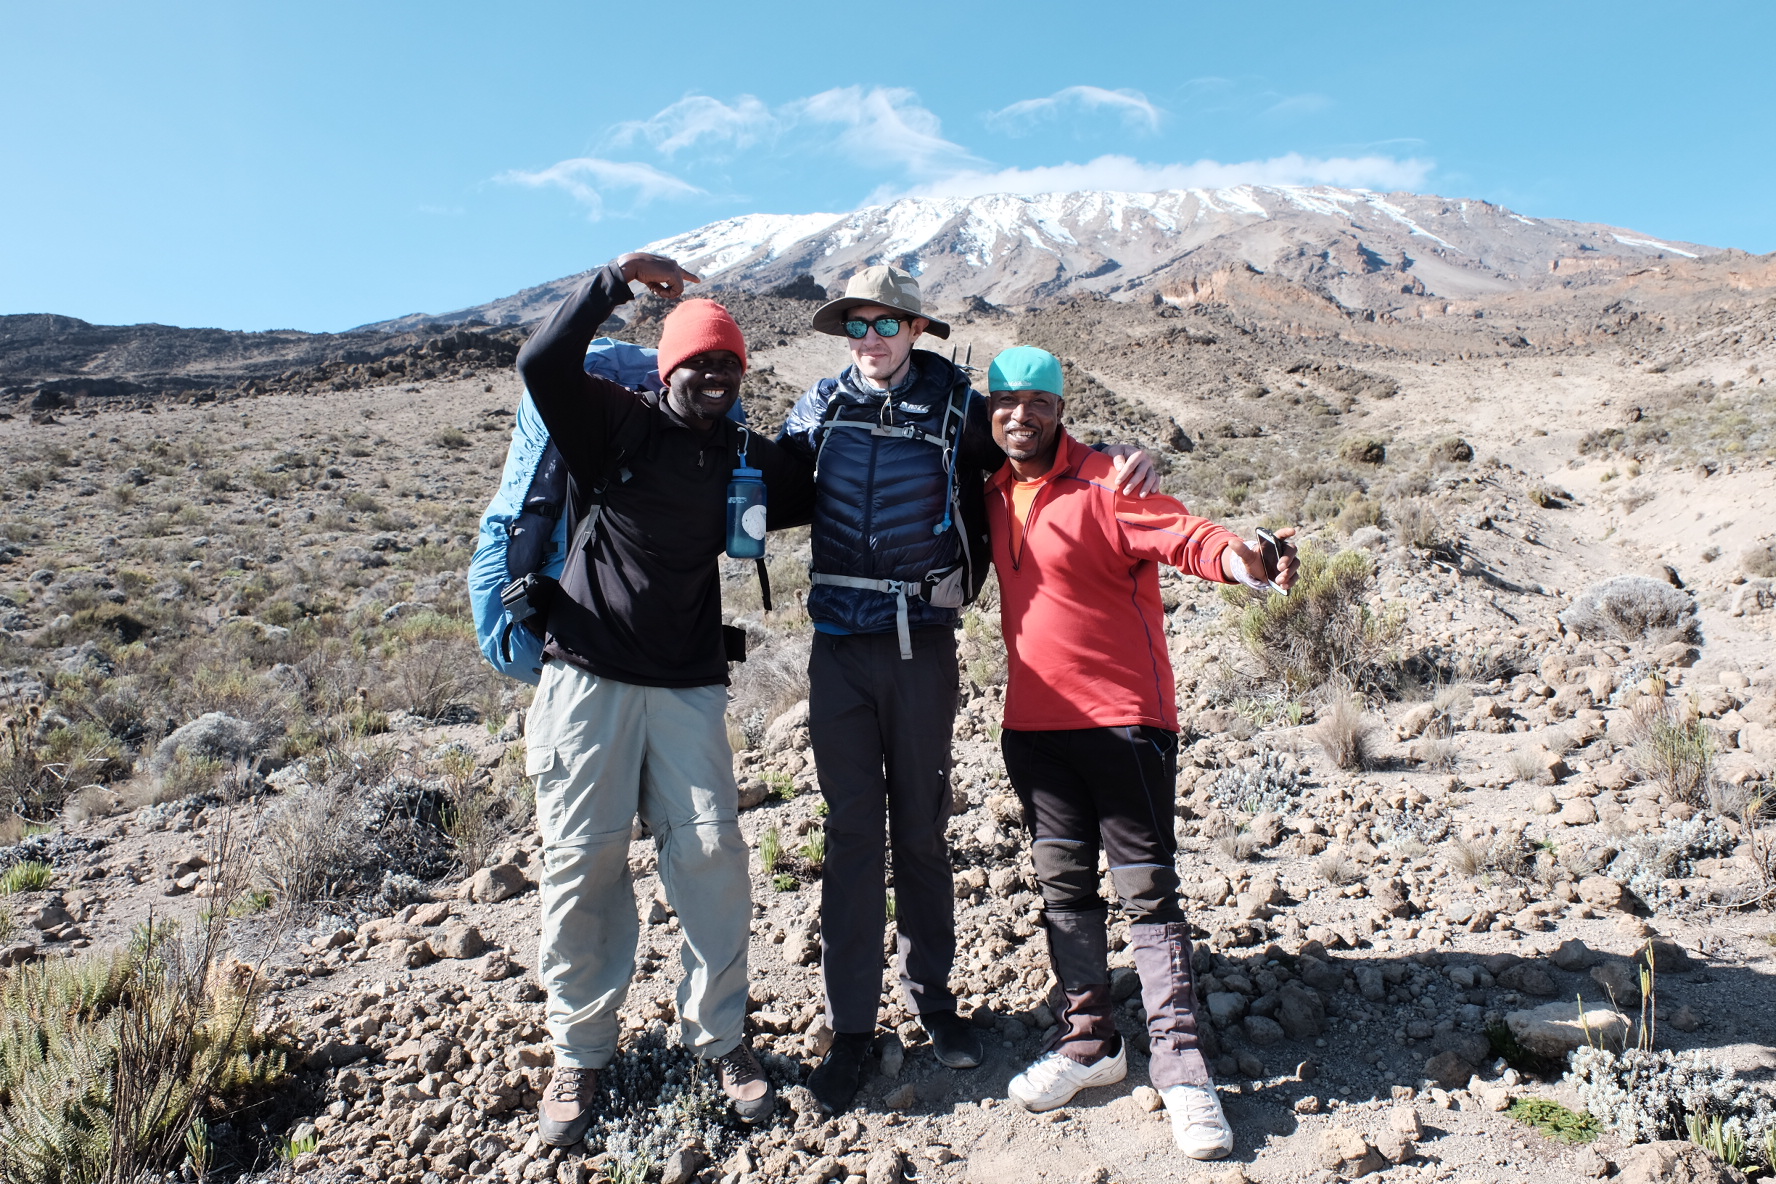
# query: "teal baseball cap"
1026,368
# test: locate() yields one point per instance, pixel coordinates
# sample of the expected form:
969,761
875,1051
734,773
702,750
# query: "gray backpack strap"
899,588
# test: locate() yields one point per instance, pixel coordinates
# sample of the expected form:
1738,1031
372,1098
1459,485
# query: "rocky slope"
276,579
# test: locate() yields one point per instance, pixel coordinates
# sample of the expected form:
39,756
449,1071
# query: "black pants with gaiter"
1110,789
881,728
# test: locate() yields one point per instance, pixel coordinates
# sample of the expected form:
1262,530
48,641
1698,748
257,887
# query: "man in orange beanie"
629,716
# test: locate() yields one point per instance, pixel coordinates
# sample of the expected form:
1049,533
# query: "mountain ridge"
1018,250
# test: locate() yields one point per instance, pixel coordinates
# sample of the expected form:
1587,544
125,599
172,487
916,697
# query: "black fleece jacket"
643,606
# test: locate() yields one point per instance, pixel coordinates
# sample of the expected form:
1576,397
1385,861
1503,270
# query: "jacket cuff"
610,278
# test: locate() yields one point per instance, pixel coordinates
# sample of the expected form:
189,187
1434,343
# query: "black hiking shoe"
743,1080
954,1041
835,1079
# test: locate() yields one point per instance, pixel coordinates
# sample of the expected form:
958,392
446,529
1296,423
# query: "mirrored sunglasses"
858,328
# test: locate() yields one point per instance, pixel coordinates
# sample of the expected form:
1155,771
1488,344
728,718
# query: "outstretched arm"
583,412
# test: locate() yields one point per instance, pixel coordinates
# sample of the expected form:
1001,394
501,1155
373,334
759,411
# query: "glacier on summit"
1014,248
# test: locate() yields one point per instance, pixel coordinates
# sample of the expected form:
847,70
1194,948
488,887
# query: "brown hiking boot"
743,1080
566,1109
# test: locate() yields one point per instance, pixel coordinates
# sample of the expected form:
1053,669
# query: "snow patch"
1653,244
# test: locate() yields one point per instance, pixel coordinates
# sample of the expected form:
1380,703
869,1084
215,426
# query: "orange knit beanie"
694,327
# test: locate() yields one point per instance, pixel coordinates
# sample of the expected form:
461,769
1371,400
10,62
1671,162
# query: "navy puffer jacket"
878,499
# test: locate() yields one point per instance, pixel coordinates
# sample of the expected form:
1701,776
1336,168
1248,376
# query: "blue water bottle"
746,513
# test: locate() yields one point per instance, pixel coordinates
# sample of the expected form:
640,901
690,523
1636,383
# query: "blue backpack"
524,531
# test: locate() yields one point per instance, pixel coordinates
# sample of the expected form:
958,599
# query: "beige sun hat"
888,286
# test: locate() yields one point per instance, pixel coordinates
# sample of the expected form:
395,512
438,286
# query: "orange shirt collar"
1067,459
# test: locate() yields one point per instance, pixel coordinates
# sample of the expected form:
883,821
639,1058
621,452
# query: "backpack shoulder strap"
629,440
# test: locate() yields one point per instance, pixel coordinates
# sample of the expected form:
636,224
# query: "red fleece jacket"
1080,609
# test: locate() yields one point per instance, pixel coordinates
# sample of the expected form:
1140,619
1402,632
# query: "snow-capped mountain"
1012,249
1354,247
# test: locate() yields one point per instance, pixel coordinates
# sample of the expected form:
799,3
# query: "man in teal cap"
1090,735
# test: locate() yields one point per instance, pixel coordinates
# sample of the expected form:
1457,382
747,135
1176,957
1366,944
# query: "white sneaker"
1198,1124
1056,1077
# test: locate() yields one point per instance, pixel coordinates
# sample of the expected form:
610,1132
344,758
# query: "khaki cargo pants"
601,752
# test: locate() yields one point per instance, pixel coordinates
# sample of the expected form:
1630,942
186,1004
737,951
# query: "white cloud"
587,178
883,126
1127,174
700,120
1134,108
1305,104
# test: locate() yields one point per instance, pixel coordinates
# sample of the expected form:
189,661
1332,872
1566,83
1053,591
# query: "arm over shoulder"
789,482
979,451
802,425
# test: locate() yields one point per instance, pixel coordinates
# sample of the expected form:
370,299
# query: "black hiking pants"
1110,789
881,728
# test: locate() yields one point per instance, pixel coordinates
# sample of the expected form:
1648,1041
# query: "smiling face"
1027,425
705,386
881,359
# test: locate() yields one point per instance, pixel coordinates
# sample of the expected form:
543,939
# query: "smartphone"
1271,550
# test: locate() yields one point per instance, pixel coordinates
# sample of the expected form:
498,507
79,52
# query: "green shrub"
814,850
29,876
40,771
1321,631
1363,452
1453,450
107,1061
1673,751
770,849
1555,1120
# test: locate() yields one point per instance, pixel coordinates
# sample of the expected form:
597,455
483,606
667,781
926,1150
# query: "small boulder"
491,885
1321,976
458,941
1531,978
1574,955
903,1097
1226,1007
1555,1029
885,1166
753,792
1262,1030
1675,1161
682,1166
428,915
495,967
1604,893
1300,1012
1449,1069
1395,1147
1620,980
1349,1154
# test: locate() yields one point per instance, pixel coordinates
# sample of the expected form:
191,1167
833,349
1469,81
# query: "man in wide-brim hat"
874,292
902,447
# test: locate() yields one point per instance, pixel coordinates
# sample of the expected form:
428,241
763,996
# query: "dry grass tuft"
1347,734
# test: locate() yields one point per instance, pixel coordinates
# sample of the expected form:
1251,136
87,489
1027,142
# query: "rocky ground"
1388,953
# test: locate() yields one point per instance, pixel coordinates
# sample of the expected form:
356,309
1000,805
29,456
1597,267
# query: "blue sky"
317,166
